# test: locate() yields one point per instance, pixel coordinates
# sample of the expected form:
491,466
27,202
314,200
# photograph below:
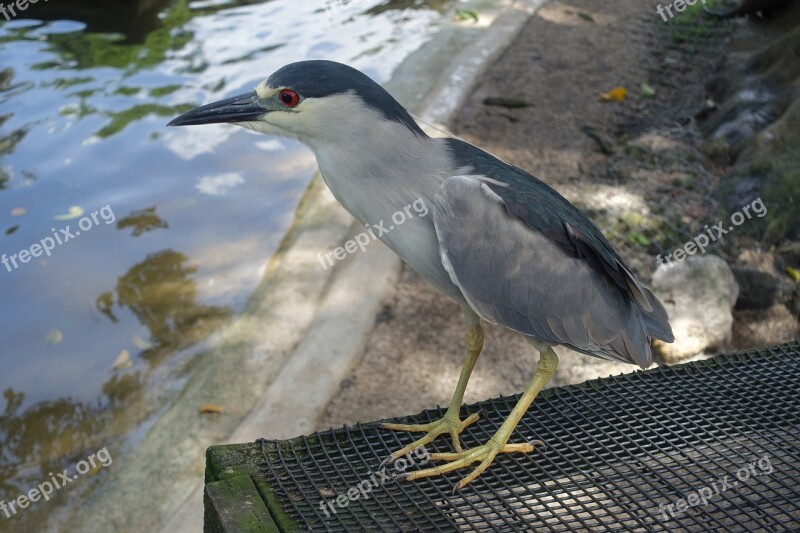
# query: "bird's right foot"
447,424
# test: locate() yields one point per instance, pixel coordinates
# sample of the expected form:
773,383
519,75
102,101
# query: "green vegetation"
691,25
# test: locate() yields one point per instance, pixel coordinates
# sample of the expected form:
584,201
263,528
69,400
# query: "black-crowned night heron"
507,247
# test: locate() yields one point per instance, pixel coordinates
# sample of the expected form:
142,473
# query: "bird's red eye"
289,98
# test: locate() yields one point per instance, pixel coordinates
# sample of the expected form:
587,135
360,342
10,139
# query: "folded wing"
546,280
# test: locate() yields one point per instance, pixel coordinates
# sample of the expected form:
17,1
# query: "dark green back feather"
541,207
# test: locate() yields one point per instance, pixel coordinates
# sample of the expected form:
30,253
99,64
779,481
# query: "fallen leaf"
634,237
210,408
466,14
617,94
123,360
141,343
18,211
54,337
793,273
645,91
74,211
586,16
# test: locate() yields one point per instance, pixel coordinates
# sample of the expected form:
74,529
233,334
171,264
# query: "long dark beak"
241,108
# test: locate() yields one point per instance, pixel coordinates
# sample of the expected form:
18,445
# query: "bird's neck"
375,172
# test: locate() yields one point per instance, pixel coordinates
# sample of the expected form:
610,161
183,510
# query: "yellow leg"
450,422
548,361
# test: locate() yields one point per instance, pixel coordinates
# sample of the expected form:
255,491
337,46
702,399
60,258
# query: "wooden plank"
234,504
233,460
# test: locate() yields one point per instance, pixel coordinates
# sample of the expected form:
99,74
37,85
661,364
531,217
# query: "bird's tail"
657,320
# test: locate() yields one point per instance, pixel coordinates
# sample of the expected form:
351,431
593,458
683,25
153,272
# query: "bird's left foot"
485,454
448,424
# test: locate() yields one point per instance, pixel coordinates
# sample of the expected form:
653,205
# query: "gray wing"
513,275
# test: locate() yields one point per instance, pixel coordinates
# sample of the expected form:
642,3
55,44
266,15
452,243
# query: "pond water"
125,244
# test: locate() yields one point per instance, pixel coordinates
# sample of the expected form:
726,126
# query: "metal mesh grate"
619,451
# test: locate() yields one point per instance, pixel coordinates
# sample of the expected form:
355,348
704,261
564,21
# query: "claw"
485,454
548,361
452,426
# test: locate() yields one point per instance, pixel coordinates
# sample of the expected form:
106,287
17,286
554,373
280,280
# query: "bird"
507,247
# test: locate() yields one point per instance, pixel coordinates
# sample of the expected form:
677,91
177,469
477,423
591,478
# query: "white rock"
699,294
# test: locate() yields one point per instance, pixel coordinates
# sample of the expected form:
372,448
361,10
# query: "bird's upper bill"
242,108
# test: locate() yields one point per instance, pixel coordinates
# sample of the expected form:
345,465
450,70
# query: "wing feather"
517,276
543,209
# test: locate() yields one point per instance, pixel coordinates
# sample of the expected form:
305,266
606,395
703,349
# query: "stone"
794,303
759,290
699,294
789,255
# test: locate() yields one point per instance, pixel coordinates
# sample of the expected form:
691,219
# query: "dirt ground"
567,55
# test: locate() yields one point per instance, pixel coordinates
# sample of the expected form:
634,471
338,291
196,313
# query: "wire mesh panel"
705,446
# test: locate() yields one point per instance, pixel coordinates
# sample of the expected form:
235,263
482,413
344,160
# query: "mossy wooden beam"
234,504
235,486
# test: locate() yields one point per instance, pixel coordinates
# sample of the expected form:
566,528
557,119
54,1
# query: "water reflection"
85,92
35,441
398,5
134,19
53,435
160,292
142,221
11,139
